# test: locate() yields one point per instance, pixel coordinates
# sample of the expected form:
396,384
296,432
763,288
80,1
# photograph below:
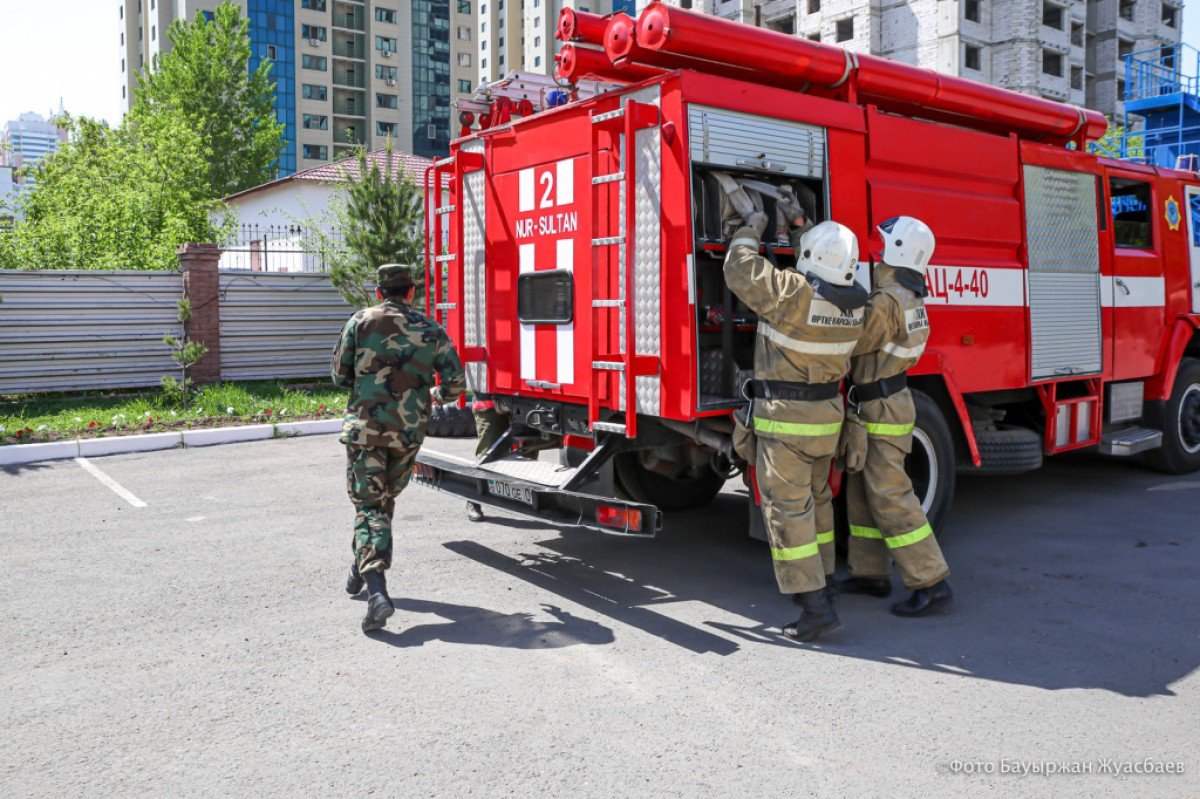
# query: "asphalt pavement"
198,642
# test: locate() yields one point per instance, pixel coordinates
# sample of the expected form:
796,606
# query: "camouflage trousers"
886,520
490,424
797,506
375,476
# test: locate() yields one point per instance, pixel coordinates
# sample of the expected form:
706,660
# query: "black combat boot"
870,586
354,580
474,512
816,618
379,604
925,601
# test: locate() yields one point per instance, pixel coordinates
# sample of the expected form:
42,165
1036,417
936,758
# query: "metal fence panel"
81,330
278,324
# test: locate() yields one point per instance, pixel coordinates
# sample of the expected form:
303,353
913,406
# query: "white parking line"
116,487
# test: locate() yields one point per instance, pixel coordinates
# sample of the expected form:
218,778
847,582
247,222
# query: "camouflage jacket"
387,356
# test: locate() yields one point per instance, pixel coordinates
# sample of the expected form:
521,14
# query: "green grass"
32,418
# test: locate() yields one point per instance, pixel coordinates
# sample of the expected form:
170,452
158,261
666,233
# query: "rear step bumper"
537,501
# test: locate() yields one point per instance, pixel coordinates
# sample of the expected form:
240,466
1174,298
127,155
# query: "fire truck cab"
577,266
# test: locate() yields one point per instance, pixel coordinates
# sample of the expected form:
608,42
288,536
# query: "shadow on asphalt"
1080,575
482,627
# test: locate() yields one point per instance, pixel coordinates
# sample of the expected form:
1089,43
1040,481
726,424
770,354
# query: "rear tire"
1179,420
931,464
666,493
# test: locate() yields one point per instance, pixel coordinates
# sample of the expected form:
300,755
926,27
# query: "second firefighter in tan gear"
809,321
886,520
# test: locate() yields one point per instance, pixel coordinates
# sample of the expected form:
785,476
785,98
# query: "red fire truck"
577,265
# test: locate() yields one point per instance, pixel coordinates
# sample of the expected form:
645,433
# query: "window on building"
315,5
1077,78
311,32
971,57
1132,223
385,44
502,61
316,152
1052,63
1121,90
464,86
316,62
272,52
783,24
1077,30
122,64
386,101
814,6
814,37
1170,16
122,10
1124,48
153,33
500,43
537,41
971,11
483,45
122,92
464,6
316,122
385,129
537,22
1125,9
464,33
313,92
537,60
482,63
1052,16
387,15
845,29
384,72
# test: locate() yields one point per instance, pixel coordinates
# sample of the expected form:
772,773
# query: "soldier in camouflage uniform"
387,356
886,520
809,320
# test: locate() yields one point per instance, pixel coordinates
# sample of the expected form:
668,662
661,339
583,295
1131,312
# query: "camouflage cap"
394,276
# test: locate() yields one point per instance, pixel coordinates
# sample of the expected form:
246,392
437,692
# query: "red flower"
320,407
267,412
149,420
20,434
91,425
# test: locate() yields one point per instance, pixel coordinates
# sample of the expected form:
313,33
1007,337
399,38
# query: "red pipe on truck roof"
620,43
888,84
578,63
580,26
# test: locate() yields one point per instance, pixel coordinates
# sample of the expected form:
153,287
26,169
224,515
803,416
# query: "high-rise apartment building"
348,72
28,139
1066,50
519,34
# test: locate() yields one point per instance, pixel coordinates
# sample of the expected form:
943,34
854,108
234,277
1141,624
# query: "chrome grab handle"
1123,285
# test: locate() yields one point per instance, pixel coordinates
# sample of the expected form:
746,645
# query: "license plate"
518,493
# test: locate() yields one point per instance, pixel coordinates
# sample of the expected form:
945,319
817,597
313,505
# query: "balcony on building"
347,103
349,45
349,15
349,74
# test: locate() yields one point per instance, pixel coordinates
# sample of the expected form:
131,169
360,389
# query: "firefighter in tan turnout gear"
886,520
809,321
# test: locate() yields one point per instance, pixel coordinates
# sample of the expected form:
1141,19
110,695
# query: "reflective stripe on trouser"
785,476
887,523
375,476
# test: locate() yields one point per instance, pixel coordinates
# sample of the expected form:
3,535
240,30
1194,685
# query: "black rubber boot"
379,604
474,512
817,617
354,580
925,601
868,586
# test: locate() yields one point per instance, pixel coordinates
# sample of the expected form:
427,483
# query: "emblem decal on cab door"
1173,215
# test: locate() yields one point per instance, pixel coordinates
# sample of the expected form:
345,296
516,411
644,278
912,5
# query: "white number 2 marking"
547,180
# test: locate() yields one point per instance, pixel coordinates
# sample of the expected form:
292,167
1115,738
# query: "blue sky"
42,59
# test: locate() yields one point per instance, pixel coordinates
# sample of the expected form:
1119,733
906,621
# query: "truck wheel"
666,493
1008,450
1179,420
930,466
450,421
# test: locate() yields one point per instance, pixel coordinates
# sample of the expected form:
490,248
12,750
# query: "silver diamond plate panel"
1064,273
473,269
747,141
647,256
1060,219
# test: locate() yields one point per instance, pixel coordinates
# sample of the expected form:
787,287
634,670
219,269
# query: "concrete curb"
17,454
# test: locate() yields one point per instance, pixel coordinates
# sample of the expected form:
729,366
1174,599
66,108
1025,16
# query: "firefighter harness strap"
880,389
788,390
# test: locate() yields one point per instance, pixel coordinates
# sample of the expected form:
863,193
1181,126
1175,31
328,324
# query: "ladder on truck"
611,365
444,296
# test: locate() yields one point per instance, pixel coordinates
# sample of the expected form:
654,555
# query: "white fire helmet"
907,243
830,252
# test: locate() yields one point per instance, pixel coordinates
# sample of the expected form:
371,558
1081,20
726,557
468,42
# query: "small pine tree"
185,353
379,218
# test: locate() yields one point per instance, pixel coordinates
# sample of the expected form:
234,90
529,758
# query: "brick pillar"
201,285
